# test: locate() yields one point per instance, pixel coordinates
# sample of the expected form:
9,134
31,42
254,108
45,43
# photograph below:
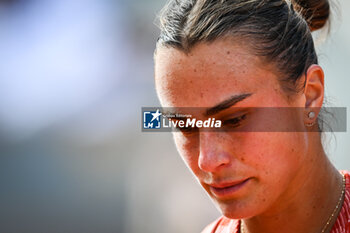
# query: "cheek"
276,157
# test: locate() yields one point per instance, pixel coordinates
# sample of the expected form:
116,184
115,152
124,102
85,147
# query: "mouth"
222,190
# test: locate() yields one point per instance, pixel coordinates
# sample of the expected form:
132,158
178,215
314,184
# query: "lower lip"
228,191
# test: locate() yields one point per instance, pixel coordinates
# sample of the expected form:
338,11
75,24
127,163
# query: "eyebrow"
227,103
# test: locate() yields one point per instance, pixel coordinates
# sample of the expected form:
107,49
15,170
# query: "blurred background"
74,75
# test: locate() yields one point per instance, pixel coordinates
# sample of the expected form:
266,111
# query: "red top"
342,225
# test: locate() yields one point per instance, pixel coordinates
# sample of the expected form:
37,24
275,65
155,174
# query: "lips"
222,190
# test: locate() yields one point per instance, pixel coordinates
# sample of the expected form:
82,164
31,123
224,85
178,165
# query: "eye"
187,130
236,121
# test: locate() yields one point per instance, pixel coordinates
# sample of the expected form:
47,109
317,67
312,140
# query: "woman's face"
245,173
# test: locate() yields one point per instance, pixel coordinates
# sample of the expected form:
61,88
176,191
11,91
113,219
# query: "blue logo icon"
151,119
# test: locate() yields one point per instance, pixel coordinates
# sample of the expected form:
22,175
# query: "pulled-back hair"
279,31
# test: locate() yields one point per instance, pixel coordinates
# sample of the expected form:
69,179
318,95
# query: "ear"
314,92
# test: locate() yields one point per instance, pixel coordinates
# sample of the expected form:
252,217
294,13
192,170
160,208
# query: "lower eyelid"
239,119
188,130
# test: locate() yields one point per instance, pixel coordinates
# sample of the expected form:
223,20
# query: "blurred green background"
74,75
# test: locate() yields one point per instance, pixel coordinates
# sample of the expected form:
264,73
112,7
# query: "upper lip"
227,184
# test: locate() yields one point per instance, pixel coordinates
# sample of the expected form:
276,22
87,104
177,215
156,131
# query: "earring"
311,115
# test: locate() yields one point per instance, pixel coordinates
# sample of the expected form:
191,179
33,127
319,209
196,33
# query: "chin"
237,210
232,210
238,214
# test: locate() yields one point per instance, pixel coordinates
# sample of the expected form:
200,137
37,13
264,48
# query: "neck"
307,205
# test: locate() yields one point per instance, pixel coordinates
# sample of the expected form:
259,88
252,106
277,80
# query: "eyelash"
235,122
187,130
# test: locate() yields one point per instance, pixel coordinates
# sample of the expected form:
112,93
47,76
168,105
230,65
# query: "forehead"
210,73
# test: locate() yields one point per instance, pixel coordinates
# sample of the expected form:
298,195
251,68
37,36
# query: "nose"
212,152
